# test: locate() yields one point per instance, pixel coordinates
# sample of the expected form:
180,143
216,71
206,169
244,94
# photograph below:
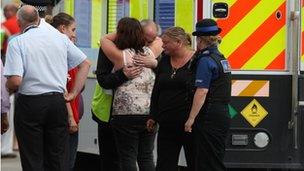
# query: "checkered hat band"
41,8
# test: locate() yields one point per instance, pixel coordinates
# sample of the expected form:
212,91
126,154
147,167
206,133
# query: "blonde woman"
171,101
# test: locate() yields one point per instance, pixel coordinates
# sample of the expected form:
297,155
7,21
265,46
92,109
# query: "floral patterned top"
133,96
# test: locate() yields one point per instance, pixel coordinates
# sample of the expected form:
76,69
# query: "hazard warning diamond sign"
254,112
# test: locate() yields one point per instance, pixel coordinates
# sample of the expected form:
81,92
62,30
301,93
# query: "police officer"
209,119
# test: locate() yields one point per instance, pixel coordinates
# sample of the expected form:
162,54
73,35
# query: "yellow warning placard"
254,112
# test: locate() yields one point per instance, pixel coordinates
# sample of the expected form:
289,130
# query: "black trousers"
134,142
170,140
41,127
107,148
210,131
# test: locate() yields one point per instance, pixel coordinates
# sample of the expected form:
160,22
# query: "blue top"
207,69
42,57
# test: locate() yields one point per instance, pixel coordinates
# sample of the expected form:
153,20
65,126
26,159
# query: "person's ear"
198,40
62,28
179,43
19,23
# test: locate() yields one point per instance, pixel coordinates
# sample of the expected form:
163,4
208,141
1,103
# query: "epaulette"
206,52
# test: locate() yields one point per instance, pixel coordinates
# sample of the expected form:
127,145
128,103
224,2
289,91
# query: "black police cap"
40,2
206,27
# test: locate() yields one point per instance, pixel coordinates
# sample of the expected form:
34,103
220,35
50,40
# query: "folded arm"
83,70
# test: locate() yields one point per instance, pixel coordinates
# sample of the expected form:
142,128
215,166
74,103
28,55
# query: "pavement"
11,164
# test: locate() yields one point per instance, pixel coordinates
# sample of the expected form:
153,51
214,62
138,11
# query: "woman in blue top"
209,112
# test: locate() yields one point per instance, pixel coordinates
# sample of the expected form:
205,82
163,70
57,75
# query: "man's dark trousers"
107,148
42,132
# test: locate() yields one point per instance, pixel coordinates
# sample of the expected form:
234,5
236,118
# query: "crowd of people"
155,83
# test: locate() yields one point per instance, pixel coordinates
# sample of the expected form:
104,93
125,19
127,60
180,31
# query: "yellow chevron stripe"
248,25
69,7
96,22
229,2
112,15
253,88
139,9
182,18
268,52
302,26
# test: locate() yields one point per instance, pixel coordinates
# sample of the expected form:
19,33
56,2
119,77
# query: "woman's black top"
171,100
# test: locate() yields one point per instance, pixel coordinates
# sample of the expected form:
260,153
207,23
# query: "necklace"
180,64
173,72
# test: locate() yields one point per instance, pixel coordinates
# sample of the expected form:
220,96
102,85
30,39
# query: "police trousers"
210,131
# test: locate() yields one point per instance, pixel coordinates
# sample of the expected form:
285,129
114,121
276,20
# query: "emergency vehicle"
263,41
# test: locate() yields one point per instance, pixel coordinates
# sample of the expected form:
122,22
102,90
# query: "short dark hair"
130,34
60,19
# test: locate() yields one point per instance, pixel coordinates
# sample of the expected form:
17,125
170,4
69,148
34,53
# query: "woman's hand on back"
144,61
132,71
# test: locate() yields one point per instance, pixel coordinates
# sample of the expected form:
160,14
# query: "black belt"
43,94
51,94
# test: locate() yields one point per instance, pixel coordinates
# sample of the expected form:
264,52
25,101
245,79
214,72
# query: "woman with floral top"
131,100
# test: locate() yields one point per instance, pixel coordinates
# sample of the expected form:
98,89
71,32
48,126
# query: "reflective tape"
302,26
184,14
112,10
96,22
139,9
250,88
69,7
254,34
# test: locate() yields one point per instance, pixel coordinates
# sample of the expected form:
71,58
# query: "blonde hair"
48,19
178,34
211,40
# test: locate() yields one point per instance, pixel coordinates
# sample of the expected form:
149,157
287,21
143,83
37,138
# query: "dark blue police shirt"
207,69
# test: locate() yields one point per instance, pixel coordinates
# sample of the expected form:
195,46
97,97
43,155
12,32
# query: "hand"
4,123
132,71
73,126
188,125
69,96
150,125
145,61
